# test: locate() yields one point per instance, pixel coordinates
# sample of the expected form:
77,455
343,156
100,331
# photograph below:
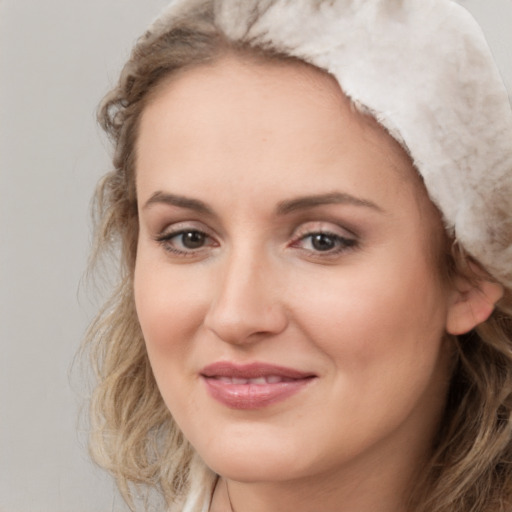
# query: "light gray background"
57,59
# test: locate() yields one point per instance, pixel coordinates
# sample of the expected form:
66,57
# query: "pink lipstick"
253,386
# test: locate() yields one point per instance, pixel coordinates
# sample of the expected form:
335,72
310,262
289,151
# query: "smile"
253,386
271,379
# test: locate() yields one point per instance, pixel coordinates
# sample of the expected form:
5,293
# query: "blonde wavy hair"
133,434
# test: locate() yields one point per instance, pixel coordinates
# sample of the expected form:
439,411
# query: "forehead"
244,136
279,107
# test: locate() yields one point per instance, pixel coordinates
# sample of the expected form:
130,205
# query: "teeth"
258,381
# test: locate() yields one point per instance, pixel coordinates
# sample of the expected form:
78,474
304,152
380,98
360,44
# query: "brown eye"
323,242
192,239
185,242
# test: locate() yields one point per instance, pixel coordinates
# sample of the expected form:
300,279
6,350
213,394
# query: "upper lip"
252,371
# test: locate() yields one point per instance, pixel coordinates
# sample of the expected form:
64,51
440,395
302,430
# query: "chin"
251,470
253,460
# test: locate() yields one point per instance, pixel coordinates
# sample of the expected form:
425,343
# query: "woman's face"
285,280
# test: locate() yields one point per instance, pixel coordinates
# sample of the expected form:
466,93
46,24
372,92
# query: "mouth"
253,386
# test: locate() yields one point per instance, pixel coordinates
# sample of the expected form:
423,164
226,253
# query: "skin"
367,318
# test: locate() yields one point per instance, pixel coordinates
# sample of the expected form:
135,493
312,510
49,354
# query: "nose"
248,301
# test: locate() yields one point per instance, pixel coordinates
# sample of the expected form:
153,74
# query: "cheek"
384,343
169,310
169,307
386,322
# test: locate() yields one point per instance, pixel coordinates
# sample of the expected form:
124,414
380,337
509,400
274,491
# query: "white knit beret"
423,69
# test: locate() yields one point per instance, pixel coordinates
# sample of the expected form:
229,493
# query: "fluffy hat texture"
423,69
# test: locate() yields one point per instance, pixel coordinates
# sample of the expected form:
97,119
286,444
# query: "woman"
312,202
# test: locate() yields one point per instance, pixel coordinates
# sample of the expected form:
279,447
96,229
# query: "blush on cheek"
158,304
364,323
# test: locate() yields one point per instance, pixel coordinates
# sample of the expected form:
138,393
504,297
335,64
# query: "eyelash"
165,239
341,244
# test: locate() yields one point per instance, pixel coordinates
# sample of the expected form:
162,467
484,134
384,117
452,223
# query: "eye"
185,241
324,242
192,239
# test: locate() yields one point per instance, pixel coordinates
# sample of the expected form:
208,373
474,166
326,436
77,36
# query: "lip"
274,383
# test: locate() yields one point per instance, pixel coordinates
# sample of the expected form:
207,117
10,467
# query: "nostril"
242,324
246,306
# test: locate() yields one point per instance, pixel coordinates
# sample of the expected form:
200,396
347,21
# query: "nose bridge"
246,300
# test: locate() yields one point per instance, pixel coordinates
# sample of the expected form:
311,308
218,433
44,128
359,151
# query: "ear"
472,303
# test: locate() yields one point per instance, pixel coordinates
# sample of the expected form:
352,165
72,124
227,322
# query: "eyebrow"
305,202
179,201
283,208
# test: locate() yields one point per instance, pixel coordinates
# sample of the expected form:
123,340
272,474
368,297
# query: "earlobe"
473,304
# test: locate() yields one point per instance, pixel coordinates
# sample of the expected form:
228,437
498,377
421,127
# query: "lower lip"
253,396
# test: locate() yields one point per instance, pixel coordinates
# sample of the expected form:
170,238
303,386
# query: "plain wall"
57,59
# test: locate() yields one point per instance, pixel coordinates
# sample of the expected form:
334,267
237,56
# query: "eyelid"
331,228
164,238
345,240
178,227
